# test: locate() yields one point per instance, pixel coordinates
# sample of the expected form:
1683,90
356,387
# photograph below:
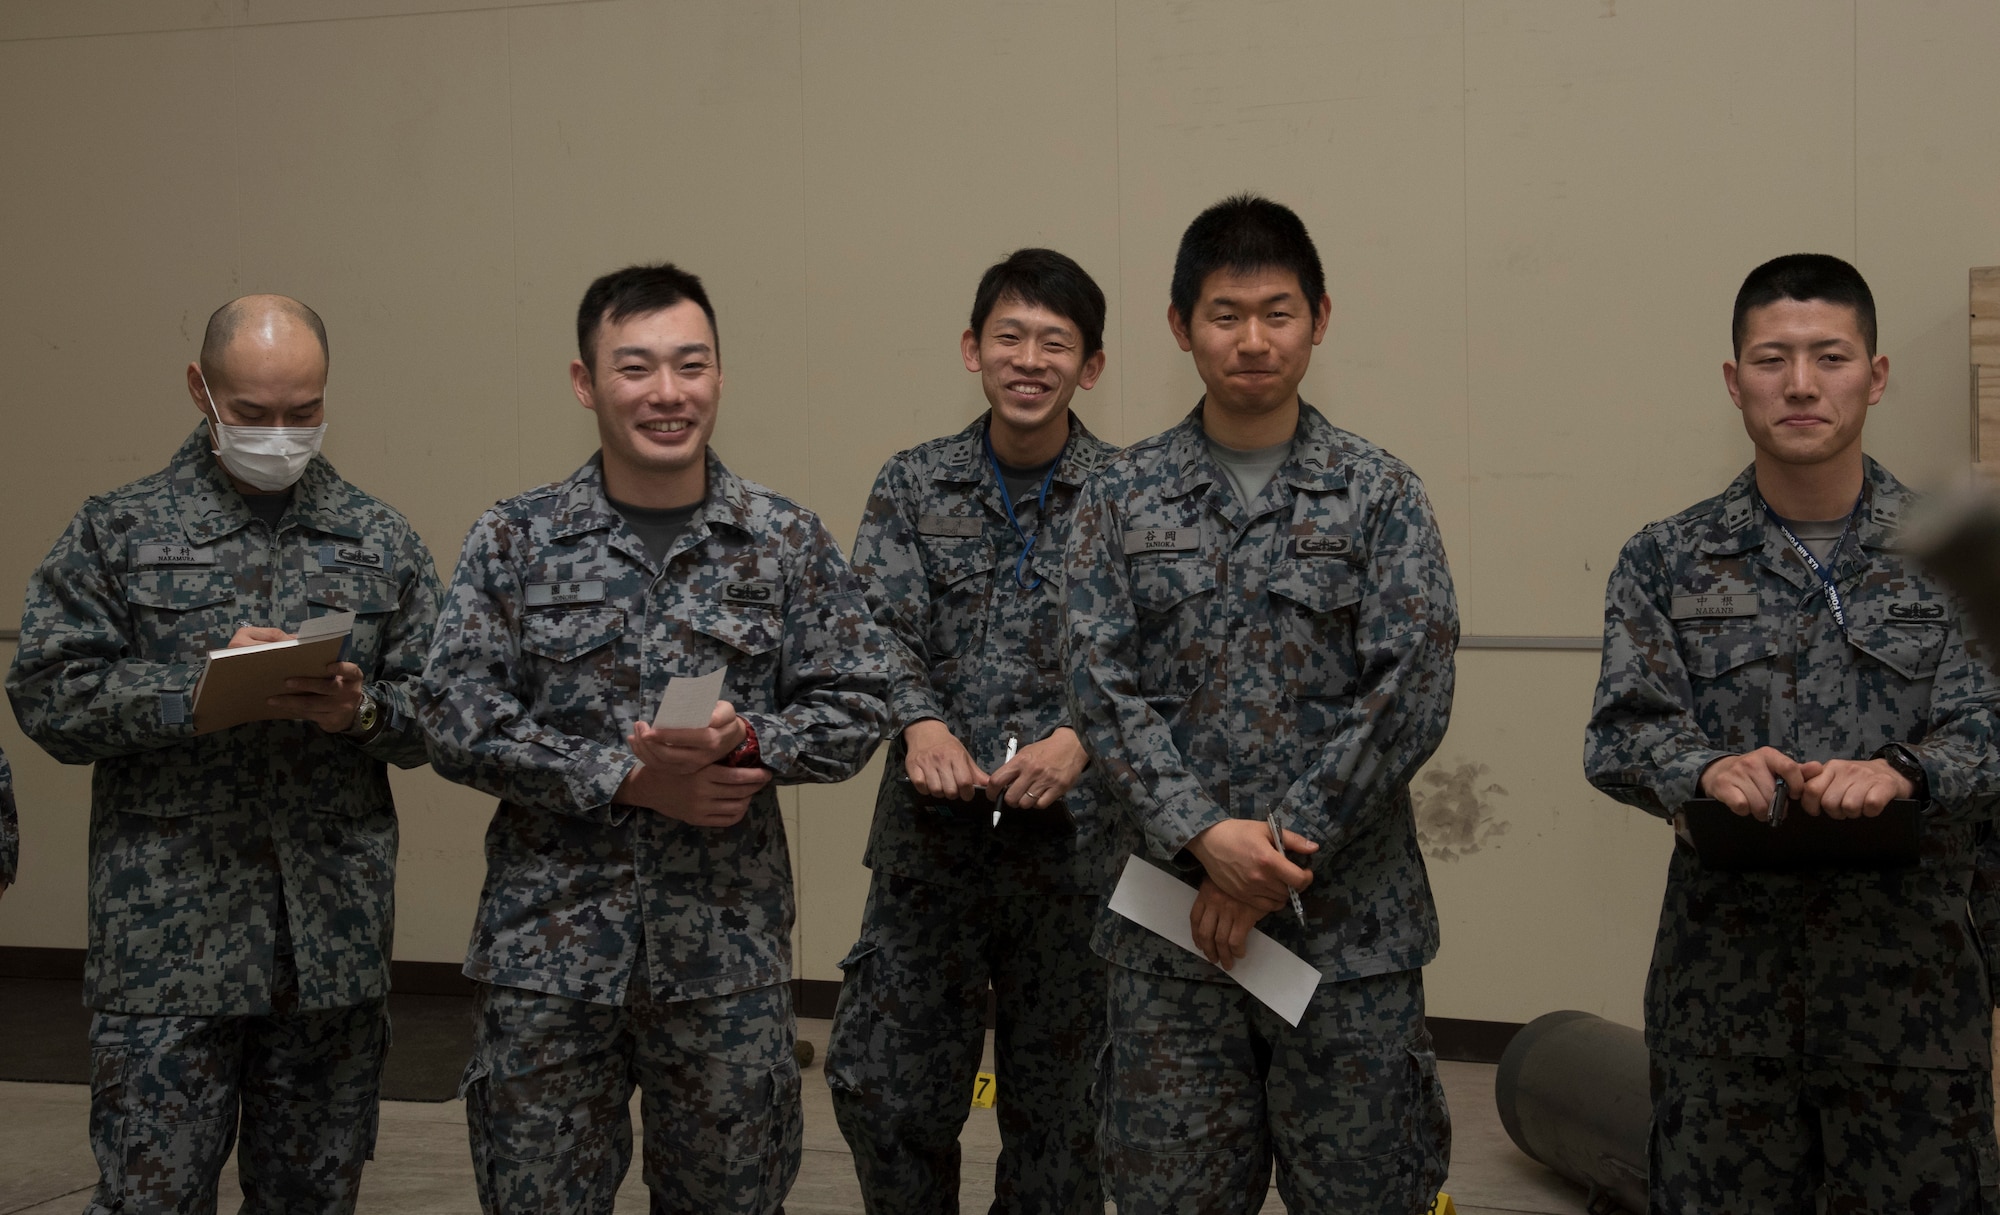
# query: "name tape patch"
554,594
351,554
1916,613
172,554
956,526
764,594
1702,607
1323,546
1163,540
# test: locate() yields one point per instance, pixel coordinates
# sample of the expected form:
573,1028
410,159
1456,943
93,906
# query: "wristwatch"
1906,763
367,715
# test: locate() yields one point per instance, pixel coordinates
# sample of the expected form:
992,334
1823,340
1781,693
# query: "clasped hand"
1040,774
679,776
1247,880
1837,788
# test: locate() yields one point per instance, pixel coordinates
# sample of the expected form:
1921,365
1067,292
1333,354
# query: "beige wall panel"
117,153
1350,114
1626,166
389,214
45,906
49,19
1548,891
647,132
938,140
1928,179
831,835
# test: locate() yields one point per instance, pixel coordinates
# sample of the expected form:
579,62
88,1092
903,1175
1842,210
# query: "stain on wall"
1455,814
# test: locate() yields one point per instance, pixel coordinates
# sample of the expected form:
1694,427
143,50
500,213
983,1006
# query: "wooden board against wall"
1986,364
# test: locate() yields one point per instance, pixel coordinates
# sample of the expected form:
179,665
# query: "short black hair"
1245,232
635,291
1043,278
1805,277
227,321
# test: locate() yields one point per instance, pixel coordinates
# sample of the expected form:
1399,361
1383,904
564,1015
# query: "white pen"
1012,745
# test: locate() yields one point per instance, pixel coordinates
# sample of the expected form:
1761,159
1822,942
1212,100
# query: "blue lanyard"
1041,510
1833,601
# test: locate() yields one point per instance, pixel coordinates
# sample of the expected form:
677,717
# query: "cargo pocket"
854,1020
760,1151
158,1142
1396,1156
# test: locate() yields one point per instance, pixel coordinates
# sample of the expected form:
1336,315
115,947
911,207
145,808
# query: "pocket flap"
1711,648
358,593
953,561
178,590
565,635
1911,651
748,630
1318,586
1158,585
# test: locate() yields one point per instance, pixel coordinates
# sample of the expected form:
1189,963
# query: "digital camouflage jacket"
1295,655
1718,640
208,854
979,652
558,634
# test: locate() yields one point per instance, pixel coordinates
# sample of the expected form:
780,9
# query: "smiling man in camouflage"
1819,1040
636,923
242,881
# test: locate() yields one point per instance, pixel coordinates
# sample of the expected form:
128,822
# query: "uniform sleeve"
77,688
889,559
833,673
1132,742
1405,640
395,683
10,827
1643,745
479,728
1960,750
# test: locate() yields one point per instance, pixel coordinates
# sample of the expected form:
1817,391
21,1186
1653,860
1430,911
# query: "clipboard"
1733,843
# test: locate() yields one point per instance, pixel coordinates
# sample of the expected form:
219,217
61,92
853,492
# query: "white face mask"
268,457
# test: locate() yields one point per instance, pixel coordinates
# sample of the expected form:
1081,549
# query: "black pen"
1778,800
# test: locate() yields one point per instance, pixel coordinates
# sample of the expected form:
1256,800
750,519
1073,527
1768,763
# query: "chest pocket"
1313,624
1910,649
744,638
180,614
1731,663
570,666
961,574
1174,599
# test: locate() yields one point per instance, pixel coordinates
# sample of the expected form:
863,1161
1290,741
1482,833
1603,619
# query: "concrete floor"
421,1164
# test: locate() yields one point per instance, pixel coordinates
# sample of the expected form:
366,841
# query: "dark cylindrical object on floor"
1573,1094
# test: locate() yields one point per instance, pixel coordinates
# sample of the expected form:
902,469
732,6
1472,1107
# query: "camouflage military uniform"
1827,1031
956,904
1295,656
241,882
10,827
618,942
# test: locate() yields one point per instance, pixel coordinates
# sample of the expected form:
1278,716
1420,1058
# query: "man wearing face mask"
241,881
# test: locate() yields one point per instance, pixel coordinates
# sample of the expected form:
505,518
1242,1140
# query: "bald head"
272,322
263,363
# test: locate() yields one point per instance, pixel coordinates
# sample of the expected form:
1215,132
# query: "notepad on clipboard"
236,683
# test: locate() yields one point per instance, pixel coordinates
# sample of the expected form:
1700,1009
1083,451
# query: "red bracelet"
746,754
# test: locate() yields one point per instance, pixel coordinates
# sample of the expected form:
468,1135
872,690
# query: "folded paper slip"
1159,901
236,683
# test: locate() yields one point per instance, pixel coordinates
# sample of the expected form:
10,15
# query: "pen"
1278,842
1012,744
1778,800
